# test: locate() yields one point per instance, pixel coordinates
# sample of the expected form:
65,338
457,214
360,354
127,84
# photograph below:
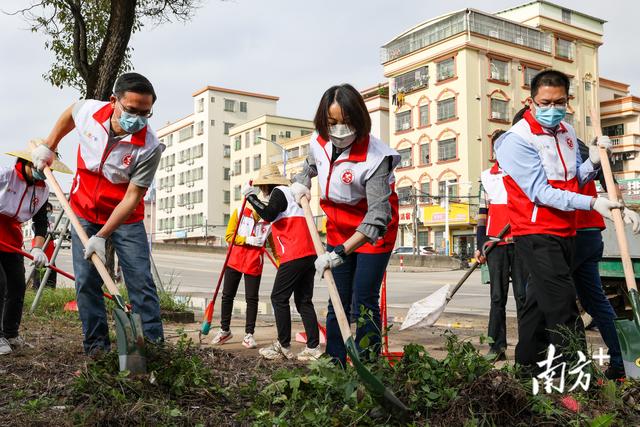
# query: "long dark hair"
354,111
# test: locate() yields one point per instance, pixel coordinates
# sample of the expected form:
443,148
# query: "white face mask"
341,135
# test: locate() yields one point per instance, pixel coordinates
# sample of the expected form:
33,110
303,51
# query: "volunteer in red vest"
586,274
355,174
543,173
296,270
23,196
118,156
246,258
502,261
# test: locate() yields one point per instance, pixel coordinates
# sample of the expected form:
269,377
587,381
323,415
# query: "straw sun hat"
57,165
270,174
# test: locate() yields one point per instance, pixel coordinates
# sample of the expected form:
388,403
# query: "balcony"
625,143
621,107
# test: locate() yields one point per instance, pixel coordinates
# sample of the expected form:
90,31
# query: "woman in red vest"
355,174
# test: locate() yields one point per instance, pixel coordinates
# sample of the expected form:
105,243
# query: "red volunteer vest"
290,233
498,217
343,189
19,202
103,173
558,156
589,219
249,259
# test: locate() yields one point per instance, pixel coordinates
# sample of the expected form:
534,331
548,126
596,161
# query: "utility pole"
416,249
446,218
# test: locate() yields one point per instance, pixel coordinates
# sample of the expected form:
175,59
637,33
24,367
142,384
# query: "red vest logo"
347,176
126,160
34,203
570,143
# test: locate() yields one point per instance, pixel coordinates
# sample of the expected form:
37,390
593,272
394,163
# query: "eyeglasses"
134,112
543,105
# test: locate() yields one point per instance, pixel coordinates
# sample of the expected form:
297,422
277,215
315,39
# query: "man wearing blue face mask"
117,160
543,176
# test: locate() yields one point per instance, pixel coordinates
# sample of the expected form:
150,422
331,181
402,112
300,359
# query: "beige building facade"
192,199
457,79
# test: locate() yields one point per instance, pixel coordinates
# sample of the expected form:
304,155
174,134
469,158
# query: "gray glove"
96,244
249,190
603,206
327,260
39,257
299,191
594,148
632,218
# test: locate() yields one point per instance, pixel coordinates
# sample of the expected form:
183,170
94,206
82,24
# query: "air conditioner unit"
169,189
493,34
405,126
629,156
281,134
495,75
496,115
405,163
169,168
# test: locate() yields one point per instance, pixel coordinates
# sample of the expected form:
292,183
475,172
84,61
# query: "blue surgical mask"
132,123
38,175
550,117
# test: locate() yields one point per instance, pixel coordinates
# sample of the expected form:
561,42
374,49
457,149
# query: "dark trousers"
504,264
12,289
295,277
230,288
358,281
589,247
550,303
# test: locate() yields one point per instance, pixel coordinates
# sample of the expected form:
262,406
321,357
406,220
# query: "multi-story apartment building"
256,142
457,79
193,178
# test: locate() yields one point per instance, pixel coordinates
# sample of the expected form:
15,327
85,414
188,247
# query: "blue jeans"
358,281
586,276
130,242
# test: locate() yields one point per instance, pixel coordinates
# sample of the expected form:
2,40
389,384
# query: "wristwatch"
339,250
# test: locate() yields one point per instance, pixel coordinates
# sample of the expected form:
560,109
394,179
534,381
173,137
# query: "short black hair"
354,110
553,78
497,134
519,115
133,82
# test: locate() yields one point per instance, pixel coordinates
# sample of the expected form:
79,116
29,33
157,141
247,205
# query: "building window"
564,48
227,127
236,193
229,105
247,165
424,154
247,140
424,115
613,130
423,238
499,70
453,189
287,134
405,158
243,107
425,188
169,140
569,118
412,80
529,74
237,167
292,153
213,99
588,120
226,151
404,195
256,135
447,149
237,143
226,173
200,107
226,196
566,16
499,109
273,137
213,123
225,219
446,69
446,109
587,86
304,132
185,133
403,121
257,162
200,127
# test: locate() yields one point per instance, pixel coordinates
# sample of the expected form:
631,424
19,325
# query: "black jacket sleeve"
40,222
277,204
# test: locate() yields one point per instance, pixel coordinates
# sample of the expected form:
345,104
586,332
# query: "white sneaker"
249,341
221,337
19,342
309,354
5,347
276,351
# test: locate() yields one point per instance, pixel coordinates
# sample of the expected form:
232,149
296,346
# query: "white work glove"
39,257
327,260
603,206
253,241
594,148
42,156
249,190
96,245
632,218
299,190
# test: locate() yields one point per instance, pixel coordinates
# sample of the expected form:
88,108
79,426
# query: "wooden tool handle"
343,323
102,270
618,222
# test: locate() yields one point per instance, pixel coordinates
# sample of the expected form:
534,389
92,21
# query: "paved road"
195,274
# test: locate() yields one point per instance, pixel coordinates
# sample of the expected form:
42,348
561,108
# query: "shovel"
129,334
373,383
427,311
628,330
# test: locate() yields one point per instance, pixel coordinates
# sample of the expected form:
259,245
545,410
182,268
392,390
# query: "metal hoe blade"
130,341
629,335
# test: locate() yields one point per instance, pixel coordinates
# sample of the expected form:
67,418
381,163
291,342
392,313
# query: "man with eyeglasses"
117,159
543,176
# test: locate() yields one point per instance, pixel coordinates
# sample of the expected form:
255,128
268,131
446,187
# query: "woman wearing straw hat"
23,196
297,255
246,258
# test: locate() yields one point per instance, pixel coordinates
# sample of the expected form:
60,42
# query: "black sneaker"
495,355
615,373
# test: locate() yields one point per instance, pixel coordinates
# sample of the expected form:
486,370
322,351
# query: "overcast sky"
290,48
